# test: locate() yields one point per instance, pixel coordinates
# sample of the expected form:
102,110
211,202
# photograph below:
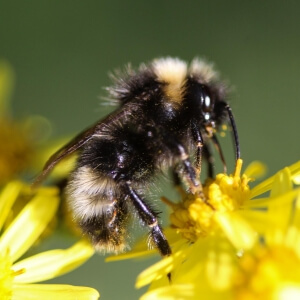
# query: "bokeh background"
62,51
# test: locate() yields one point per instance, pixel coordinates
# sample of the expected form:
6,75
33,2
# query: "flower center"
194,215
15,150
268,274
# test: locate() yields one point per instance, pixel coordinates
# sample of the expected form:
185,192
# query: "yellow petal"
296,179
295,171
155,272
282,183
292,238
53,291
53,263
161,268
211,260
237,230
287,291
260,220
171,292
261,188
141,249
266,185
282,199
7,198
135,253
30,223
219,269
296,219
256,170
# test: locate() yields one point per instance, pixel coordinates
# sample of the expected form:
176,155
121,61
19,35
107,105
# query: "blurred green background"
62,52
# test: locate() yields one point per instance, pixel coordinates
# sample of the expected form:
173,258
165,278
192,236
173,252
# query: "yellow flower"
18,278
210,237
270,271
233,220
195,217
23,148
231,206
16,149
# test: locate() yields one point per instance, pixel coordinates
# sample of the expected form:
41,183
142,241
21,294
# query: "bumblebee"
168,114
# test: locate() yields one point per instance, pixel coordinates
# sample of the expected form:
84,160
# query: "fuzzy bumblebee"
168,111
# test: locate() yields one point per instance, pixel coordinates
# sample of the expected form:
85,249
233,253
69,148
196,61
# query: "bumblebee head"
207,108
204,103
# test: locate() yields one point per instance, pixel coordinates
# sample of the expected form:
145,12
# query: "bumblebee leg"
107,229
176,179
203,149
189,171
196,133
150,218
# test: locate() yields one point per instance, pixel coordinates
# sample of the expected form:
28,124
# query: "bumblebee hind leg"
150,218
107,231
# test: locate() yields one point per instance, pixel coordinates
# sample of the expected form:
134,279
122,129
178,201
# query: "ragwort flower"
270,270
213,239
18,278
237,244
16,149
24,144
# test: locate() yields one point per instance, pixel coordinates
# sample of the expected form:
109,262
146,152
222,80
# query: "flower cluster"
232,242
25,214
18,278
229,242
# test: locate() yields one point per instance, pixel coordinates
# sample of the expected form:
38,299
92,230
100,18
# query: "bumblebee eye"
207,103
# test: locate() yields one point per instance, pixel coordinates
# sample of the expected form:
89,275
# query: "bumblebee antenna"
234,130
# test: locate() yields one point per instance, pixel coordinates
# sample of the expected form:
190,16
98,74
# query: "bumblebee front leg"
196,133
150,218
190,174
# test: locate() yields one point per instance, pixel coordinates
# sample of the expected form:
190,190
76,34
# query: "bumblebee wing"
76,143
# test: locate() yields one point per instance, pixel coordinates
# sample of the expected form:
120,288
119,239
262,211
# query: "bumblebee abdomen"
99,208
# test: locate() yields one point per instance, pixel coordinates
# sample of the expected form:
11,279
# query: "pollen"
197,215
268,273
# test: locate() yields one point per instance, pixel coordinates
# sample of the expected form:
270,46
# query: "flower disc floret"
194,216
